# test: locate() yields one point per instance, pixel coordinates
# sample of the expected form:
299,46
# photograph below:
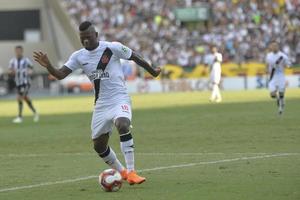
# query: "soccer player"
276,62
21,67
100,61
214,60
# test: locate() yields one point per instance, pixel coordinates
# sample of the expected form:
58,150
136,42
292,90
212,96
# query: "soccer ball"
110,180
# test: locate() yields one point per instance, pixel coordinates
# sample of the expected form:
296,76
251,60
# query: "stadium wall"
202,84
7,47
58,38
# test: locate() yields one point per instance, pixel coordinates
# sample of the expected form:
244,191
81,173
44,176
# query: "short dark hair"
213,46
85,25
19,47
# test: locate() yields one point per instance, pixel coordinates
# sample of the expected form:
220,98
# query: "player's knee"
99,147
101,143
273,95
27,99
19,98
123,125
281,95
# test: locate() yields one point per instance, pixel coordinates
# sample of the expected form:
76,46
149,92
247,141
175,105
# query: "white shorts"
104,117
277,84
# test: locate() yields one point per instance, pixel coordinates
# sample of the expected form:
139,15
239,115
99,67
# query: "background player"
21,67
100,61
276,62
214,60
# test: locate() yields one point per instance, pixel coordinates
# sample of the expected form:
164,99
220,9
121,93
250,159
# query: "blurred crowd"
242,29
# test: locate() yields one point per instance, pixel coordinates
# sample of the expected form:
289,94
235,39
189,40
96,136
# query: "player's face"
19,52
214,49
88,39
275,47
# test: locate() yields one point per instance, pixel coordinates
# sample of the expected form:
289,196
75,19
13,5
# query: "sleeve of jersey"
29,63
120,50
73,63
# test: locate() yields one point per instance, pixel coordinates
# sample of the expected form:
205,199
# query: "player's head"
19,51
213,48
88,35
274,46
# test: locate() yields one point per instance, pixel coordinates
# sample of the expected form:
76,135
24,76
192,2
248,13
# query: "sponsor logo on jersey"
98,74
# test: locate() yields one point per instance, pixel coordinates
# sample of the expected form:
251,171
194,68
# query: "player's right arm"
44,61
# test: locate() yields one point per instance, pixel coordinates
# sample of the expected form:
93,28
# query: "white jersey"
103,67
278,61
21,67
214,62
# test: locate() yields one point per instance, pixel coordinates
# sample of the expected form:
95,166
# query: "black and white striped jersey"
21,67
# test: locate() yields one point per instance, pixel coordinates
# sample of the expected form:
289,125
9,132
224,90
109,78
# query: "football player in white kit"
276,62
100,61
214,60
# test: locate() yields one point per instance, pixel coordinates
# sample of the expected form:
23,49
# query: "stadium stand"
242,29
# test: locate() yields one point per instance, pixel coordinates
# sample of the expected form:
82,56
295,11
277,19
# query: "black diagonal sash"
273,69
104,60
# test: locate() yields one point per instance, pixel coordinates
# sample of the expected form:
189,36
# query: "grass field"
186,147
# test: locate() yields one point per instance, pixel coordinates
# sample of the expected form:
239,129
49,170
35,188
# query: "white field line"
142,154
151,169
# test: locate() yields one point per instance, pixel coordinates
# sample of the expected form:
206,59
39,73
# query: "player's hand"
42,59
157,71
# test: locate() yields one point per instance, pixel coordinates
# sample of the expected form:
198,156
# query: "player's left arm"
124,52
138,59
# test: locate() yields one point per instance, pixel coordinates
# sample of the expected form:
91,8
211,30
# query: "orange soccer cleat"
133,178
124,174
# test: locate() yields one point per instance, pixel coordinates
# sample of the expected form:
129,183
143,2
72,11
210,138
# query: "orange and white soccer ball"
110,180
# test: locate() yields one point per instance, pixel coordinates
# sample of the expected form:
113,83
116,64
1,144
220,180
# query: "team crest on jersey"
104,59
124,49
98,74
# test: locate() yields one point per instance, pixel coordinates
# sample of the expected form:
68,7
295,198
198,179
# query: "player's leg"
213,87
107,153
101,128
273,91
126,141
281,102
217,82
122,121
213,93
127,148
29,103
281,92
218,94
19,118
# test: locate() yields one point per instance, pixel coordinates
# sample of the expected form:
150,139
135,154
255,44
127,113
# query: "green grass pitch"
186,147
